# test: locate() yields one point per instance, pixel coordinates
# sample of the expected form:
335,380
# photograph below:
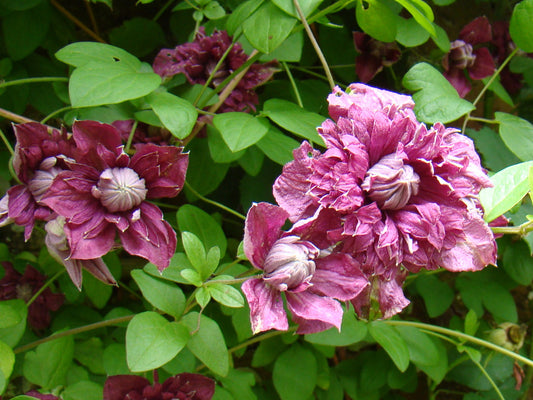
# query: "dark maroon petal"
483,64
367,66
99,144
149,236
41,396
162,167
262,228
458,80
477,31
194,386
360,41
118,386
22,208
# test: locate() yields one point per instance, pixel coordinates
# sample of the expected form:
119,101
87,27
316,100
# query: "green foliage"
392,342
516,133
295,373
177,115
520,24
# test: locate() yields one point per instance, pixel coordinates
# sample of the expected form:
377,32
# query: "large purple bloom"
463,56
390,192
311,279
197,60
104,192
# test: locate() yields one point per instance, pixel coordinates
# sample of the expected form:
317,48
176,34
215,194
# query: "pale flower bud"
289,265
391,183
461,54
120,189
509,336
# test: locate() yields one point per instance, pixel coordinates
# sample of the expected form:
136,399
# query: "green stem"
215,203
293,84
33,80
81,329
316,75
130,137
337,6
315,44
162,10
43,288
229,281
464,336
484,372
521,230
6,143
484,120
54,113
260,338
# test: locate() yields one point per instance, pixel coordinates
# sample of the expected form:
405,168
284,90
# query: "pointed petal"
367,66
477,31
314,313
458,80
92,239
483,65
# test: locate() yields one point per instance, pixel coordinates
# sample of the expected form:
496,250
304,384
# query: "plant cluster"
266,199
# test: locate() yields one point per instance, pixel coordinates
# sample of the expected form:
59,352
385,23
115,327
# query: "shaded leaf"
392,343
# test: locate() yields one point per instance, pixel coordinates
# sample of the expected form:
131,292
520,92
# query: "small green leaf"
268,27
435,98
163,295
294,118
421,12
517,134
90,353
82,390
178,263
195,251
226,295
177,115
202,297
471,323
377,19
213,10
497,87
139,36
392,343
207,343
240,14
240,130
11,312
211,260
219,150
518,264
520,25
410,33
295,373
437,295
114,359
510,186
7,362
277,146
192,276
98,292
422,350
81,53
203,174
204,226
307,6
152,341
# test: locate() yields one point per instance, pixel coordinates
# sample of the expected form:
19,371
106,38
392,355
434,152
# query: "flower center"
43,178
391,183
120,189
461,54
289,265
24,291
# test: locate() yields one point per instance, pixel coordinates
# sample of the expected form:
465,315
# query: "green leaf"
252,161
517,263
82,390
471,323
239,382
177,115
219,150
20,5
163,295
202,297
212,259
81,53
510,186
24,31
307,6
12,312
139,36
410,33
240,14
240,130
517,134
294,118
496,156
277,146
441,39
226,295
520,25
422,350
435,98
377,19
352,331
178,263
392,343
213,10
268,27
295,373
152,341
437,295
114,359
204,226
497,87
47,366
90,353
95,84
290,50
421,12
7,362
195,250
438,371
207,343
193,277
98,292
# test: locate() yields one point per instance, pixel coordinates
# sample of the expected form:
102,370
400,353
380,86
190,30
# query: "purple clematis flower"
373,55
104,192
198,59
389,192
184,386
463,56
312,281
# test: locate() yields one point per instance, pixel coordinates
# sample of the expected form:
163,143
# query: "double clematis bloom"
312,282
464,57
391,193
197,61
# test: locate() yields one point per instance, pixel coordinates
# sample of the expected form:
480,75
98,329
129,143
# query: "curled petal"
92,239
314,313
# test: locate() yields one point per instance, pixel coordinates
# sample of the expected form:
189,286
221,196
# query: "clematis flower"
15,285
197,60
396,196
373,55
105,192
143,133
462,57
39,157
42,396
312,282
184,386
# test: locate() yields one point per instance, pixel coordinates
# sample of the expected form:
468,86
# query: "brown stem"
14,117
91,16
76,21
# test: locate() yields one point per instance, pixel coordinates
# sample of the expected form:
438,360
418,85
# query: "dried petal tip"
120,189
391,183
289,265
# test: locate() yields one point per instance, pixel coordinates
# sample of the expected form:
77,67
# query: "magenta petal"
266,306
262,229
117,387
483,65
458,80
391,298
22,208
319,312
149,236
100,144
477,31
92,239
